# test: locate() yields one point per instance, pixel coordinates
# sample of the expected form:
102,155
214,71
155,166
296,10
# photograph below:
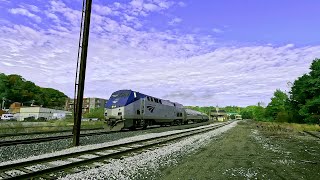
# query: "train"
128,109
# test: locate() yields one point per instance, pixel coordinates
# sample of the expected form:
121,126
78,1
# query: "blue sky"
194,52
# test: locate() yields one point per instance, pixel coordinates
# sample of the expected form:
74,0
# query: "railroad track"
45,132
311,134
45,167
51,138
45,139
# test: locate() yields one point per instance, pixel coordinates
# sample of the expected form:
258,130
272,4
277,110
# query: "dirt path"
251,152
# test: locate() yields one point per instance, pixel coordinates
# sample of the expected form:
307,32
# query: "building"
219,115
88,104
41,113
15,108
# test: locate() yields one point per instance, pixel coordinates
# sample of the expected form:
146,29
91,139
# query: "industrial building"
41,113
88,104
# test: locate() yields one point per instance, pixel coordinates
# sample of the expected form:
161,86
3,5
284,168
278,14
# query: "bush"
282,117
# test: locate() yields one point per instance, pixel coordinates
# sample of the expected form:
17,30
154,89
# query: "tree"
255,112
305,95
277,104
15,88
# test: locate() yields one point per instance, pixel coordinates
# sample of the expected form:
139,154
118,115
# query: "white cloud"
101,10
180,67
32,7
175,21
52,16
25,12
151,7
182,4
216,30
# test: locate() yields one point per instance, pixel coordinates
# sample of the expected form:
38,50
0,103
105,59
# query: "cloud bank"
189,68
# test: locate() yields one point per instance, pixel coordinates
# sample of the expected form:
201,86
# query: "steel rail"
52,138
98,152
311,134
45,139
46,132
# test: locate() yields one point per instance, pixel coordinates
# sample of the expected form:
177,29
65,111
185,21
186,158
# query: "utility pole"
3,100
82,72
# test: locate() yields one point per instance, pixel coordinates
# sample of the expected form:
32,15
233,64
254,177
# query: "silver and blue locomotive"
127,109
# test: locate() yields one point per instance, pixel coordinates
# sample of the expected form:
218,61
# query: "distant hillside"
14,88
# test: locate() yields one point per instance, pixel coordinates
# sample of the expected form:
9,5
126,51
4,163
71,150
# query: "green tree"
232,109
305,95
277,104
15,88
255,112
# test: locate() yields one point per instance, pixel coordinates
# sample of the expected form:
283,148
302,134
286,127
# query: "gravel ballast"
15,152
146,165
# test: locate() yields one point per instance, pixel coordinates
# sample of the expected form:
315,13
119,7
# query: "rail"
94,155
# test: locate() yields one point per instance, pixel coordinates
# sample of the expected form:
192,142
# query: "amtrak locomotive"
127,109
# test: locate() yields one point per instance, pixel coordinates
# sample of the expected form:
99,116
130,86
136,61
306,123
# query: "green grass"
238,155
52,125
289,126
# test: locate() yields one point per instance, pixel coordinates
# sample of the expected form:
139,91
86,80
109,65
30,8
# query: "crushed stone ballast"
43,165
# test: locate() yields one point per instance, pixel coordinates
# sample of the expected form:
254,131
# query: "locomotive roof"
141,95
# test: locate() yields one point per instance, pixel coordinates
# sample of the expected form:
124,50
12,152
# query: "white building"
40,112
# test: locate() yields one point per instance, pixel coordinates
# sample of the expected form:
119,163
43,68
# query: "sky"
195,52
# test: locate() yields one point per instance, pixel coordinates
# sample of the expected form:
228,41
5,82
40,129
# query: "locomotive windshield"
120,94
120,99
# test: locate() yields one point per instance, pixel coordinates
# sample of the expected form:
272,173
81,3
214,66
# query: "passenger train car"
127,109
196,116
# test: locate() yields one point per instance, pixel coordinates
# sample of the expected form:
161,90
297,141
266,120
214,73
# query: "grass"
52,125
289,126
241,154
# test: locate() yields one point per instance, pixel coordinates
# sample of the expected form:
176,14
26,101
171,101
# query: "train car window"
151,99
174,104
148,98
138,112
177,114
156,100
160,101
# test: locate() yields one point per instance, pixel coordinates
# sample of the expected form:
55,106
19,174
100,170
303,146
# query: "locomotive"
127,109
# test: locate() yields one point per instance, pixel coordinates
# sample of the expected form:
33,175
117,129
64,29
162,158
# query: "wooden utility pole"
82,73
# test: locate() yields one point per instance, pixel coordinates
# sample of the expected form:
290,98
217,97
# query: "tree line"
14,88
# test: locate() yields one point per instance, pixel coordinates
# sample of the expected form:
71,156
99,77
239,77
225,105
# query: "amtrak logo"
150,108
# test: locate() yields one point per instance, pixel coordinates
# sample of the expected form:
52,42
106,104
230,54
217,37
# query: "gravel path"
146,165
26,150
